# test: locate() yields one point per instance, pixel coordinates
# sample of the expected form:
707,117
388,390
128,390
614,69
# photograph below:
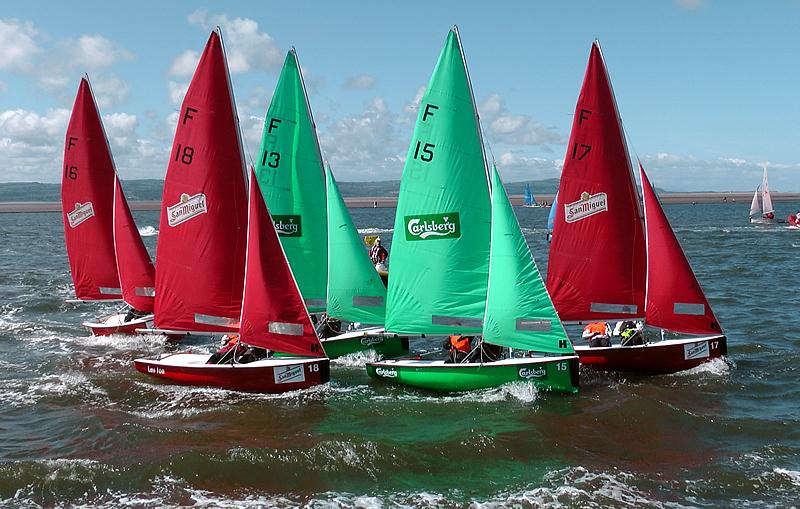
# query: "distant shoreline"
390,202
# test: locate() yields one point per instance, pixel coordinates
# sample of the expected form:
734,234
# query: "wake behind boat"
605,264
479,276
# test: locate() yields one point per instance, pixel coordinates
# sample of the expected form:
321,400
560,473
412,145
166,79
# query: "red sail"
675,300
201,243
274,315
596,268
86,182
136,272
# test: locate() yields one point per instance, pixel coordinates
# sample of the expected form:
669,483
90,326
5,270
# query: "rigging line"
487,142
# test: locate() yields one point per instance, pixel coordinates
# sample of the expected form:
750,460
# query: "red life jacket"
460,343
596,328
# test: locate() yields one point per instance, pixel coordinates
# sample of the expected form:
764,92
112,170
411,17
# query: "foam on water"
792,475
520,392
718,367
357,359
148,231
373,231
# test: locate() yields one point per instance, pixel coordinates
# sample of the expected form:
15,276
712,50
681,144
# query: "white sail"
755,210
766,199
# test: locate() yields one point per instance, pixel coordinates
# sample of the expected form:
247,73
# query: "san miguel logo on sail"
187,208
587,205
81,213
433,226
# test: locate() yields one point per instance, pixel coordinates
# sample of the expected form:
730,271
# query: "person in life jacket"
630,333
458,348
769,215
378,253
597,334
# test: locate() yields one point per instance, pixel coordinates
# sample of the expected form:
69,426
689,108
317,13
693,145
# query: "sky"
707,89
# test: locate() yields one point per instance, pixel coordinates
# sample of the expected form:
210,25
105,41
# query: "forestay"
87,181
273,313
355,291
291,176
596,268
675,300
202,234
440,246
519,312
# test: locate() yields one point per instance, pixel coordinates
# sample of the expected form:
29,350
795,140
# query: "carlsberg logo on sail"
81,213
585,207
433,226
187,208
288,225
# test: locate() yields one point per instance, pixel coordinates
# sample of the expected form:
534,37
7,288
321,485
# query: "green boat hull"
558,374
387,346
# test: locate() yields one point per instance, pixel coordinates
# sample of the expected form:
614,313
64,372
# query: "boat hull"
559,374
116,324
384,343
661,358
266,375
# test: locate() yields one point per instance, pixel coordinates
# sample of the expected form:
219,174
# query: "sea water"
79,426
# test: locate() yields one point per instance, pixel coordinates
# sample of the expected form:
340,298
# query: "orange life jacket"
596,328
460,343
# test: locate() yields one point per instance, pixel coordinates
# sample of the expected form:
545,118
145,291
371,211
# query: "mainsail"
519,312
87,205
355,291
440,247
755,208
528,196
273,313
290,173
551,216
596,268
201,244
136,272
766,198
675,300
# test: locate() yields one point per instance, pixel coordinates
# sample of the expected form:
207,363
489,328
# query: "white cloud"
184,64
360,82
506,128
515,166
109,90
92,52
247,48
177,91
690,5
18,46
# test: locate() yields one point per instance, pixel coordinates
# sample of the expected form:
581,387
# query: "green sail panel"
355,290
519,312
290,172
440,245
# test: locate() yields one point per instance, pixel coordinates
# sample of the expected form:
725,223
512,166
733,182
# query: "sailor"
769,215
597,334
458,348
134,314
228,344
378,253
630,332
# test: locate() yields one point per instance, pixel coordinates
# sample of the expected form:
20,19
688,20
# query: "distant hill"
150,189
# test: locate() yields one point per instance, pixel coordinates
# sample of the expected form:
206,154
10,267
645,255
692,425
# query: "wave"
718,367
373,231
148,231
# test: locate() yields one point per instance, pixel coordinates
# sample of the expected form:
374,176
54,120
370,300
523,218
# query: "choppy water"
79,426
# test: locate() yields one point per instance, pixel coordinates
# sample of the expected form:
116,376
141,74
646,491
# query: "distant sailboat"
551,217
108,260
461,265
202,237
273,317
611,259
528,199
765,212
310,216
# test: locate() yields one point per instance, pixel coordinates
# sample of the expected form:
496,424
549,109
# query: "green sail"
355,290
289,170
440,246
519,312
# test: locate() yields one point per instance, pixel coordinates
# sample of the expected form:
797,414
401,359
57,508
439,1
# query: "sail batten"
597,256
201,244
292,178
440,246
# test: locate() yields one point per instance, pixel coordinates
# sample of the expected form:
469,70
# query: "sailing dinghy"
92,203
202,237
460,265
273,317
528,199
602,264
764,212
292,177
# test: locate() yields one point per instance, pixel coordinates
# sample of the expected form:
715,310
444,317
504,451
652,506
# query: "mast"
293,51
233,107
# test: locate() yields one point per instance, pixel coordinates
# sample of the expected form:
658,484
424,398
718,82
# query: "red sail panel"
136,272
87,180
202,231
597,265
675,300
274,315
